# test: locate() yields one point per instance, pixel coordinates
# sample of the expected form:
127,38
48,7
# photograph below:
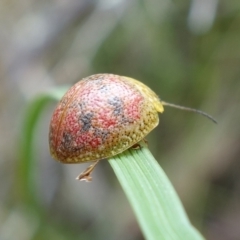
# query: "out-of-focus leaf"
25,179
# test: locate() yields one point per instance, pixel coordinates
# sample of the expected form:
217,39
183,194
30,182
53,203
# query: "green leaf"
152,196
25,175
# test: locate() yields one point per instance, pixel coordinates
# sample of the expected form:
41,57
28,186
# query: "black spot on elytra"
86,120
67,144
101,133
127,121
118,106
82,105
67,140
103,88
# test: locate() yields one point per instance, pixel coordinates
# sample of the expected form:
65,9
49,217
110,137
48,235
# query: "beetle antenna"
189,109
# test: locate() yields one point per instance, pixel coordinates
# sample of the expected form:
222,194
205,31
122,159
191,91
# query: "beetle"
101,116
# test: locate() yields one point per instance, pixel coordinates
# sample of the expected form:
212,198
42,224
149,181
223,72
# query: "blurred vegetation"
187,51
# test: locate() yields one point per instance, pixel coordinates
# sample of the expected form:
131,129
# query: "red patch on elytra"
71,123
133,107
107,120
95,142
88,140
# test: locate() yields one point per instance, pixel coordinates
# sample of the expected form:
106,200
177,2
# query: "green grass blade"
25,181
153,198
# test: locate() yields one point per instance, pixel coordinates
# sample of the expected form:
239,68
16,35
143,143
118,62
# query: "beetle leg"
137,145
86,174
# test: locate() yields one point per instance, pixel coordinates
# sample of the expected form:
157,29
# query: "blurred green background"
187,51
